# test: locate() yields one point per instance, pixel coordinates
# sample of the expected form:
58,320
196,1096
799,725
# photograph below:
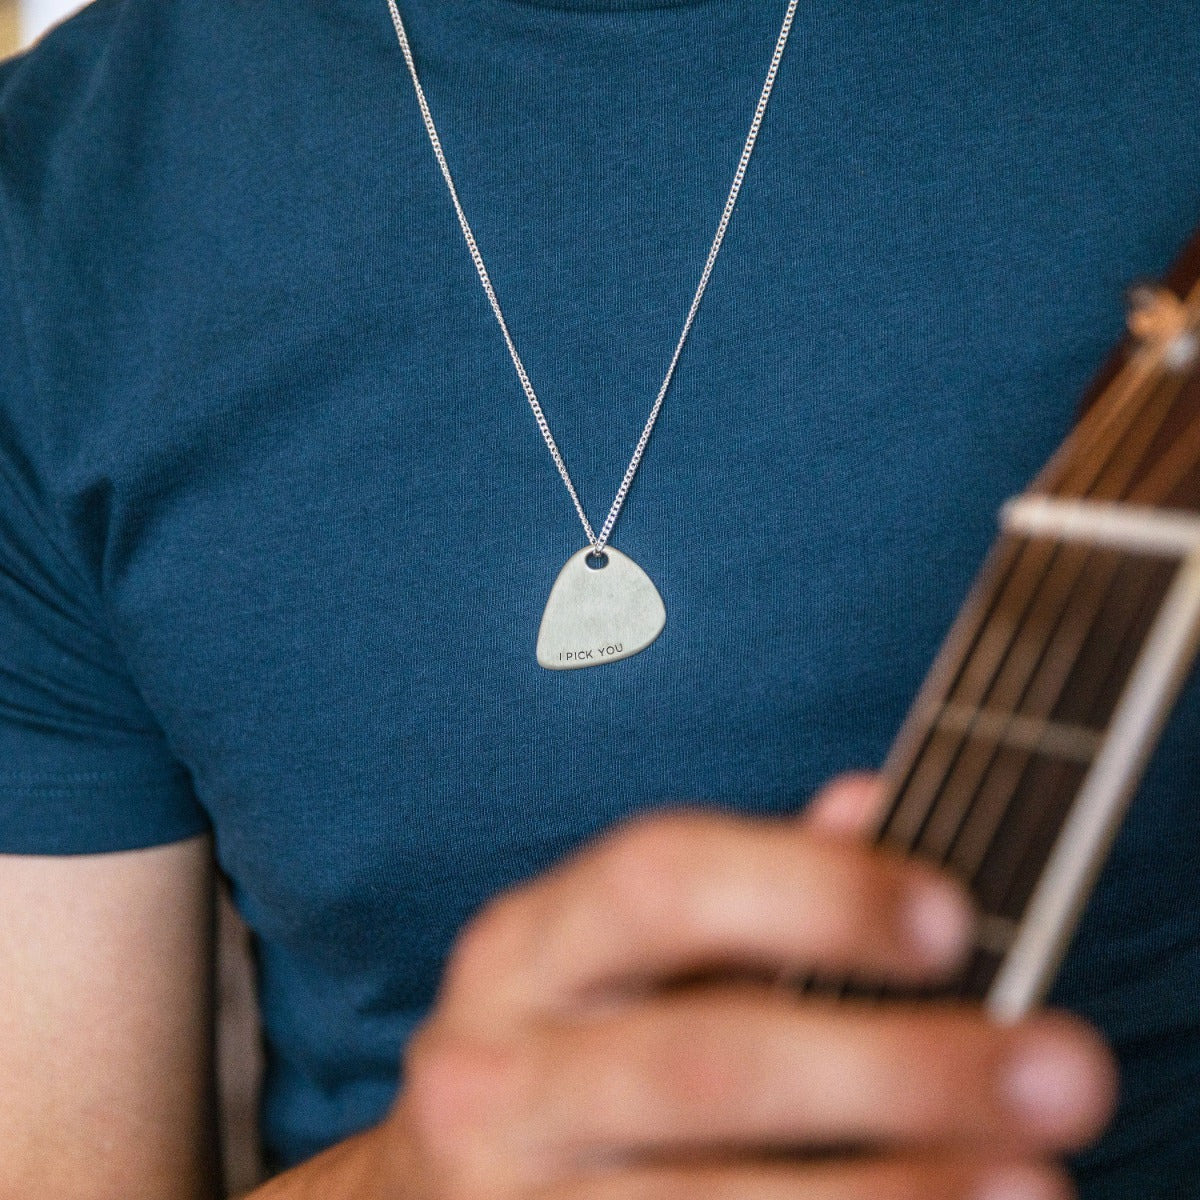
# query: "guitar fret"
1132,527
1053,739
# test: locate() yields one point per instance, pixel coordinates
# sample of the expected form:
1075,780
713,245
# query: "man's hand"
559,1064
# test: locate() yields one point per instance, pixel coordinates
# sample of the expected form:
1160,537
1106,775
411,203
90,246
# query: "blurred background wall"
8,27
24,21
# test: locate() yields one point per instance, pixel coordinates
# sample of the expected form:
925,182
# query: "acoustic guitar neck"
1031,733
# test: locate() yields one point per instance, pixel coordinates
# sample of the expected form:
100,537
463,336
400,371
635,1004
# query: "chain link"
598,542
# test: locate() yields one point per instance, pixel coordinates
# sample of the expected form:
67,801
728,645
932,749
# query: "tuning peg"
1156,316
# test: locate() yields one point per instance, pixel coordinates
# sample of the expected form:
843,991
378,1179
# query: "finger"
898,1178
849,805
744,1070
691,892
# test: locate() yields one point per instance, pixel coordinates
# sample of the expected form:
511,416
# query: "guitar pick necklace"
603,606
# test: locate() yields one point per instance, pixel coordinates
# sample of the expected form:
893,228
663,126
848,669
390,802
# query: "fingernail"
1019,1183
939,922
1055,1086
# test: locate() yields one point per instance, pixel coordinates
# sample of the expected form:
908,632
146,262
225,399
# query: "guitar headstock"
1138,442
1164,326
1179,279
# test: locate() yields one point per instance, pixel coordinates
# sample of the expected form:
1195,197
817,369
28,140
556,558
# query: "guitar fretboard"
1033,728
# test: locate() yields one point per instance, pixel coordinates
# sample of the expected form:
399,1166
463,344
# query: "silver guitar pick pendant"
597,615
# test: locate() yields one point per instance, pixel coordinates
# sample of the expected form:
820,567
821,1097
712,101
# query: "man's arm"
106,1077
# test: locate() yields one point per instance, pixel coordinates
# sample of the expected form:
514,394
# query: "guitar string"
1047,789
921,775
1179,461
1029,564
997,834
1088,588
921,792
999,846
1039,836
922,789
1026,792
1153,484
1128,640
1008,577
942,751
1080,477
1054,626
1100,422
925,796
1028,681
906,793
986,829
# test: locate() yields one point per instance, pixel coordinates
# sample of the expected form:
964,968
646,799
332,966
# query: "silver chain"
597,542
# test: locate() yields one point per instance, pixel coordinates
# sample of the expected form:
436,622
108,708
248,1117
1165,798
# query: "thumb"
847,805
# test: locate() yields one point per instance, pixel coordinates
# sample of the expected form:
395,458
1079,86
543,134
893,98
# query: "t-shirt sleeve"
84,768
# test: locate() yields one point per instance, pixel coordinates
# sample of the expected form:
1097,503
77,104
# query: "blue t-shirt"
277,527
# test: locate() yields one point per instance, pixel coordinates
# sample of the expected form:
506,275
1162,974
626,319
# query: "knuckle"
651,868
486,944
691,1071
846,803
879,890
460,1091
688,1070
652,842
